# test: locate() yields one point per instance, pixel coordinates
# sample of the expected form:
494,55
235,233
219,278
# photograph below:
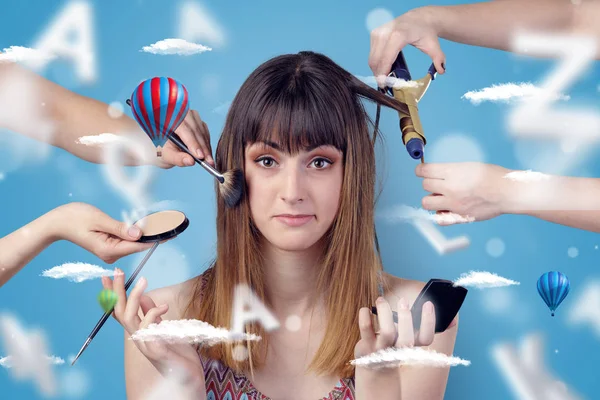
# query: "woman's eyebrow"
266,143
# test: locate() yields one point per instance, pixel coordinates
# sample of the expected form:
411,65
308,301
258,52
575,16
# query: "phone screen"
446,298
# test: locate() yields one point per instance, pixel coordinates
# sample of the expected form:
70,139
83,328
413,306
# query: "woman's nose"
293,186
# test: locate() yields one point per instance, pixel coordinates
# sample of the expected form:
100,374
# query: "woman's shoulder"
177,296
397,288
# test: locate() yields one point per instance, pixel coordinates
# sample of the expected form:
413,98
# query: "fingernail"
452,323
141,282
428,307
379,300
403,304
444,66
189,161
134,231
199,153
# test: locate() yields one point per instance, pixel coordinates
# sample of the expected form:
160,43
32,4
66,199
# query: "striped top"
223,383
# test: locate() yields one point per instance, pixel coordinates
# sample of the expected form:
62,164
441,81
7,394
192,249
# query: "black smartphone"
446,298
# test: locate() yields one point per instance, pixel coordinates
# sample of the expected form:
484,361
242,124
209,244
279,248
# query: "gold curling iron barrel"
410,93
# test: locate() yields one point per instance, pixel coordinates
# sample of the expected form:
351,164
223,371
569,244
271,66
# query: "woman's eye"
266,162
321,163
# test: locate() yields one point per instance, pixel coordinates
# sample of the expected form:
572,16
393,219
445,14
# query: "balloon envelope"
159,105
107,299
553,287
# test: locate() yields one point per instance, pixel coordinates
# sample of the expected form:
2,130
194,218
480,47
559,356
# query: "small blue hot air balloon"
553,287
159,106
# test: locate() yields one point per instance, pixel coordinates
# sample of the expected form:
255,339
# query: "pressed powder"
160,222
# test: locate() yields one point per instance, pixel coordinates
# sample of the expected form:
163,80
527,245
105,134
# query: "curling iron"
410,124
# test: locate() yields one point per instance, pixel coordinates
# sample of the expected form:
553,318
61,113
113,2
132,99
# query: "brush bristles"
232,188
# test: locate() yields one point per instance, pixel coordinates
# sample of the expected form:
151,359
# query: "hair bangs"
298,118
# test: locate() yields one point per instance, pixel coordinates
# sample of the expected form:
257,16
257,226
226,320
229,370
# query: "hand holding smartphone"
446,298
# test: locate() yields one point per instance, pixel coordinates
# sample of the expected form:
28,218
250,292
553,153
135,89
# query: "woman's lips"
294,220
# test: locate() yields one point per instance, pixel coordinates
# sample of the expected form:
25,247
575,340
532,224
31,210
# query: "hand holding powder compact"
156,228
162,225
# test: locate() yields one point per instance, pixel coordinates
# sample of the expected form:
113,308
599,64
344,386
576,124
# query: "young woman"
303,239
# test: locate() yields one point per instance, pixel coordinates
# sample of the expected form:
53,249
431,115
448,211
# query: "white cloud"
77,272
188,331
98,140
404,213
483,279
28,355
179,47
526,176
393,357
7,363
507,92
450,218
390,81
25,54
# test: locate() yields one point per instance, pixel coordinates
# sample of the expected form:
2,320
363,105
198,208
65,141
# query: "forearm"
19,247
76,116
35,102
492,24
569,201
586,220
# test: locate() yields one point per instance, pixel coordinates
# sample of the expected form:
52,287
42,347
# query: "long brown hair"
298,100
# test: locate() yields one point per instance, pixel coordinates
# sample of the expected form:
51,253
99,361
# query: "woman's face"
293,199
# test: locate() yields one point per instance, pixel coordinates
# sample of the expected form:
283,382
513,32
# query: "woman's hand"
415,28
98,233
195,135
389,334
475,191
385,383
164,356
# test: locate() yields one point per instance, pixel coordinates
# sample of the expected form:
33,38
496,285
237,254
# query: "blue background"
257,31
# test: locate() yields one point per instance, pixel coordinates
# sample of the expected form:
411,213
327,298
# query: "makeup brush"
231,182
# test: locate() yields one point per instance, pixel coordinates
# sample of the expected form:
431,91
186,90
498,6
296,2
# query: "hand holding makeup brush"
195,135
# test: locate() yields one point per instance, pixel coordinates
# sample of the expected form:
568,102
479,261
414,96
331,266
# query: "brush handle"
177,140
107,314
